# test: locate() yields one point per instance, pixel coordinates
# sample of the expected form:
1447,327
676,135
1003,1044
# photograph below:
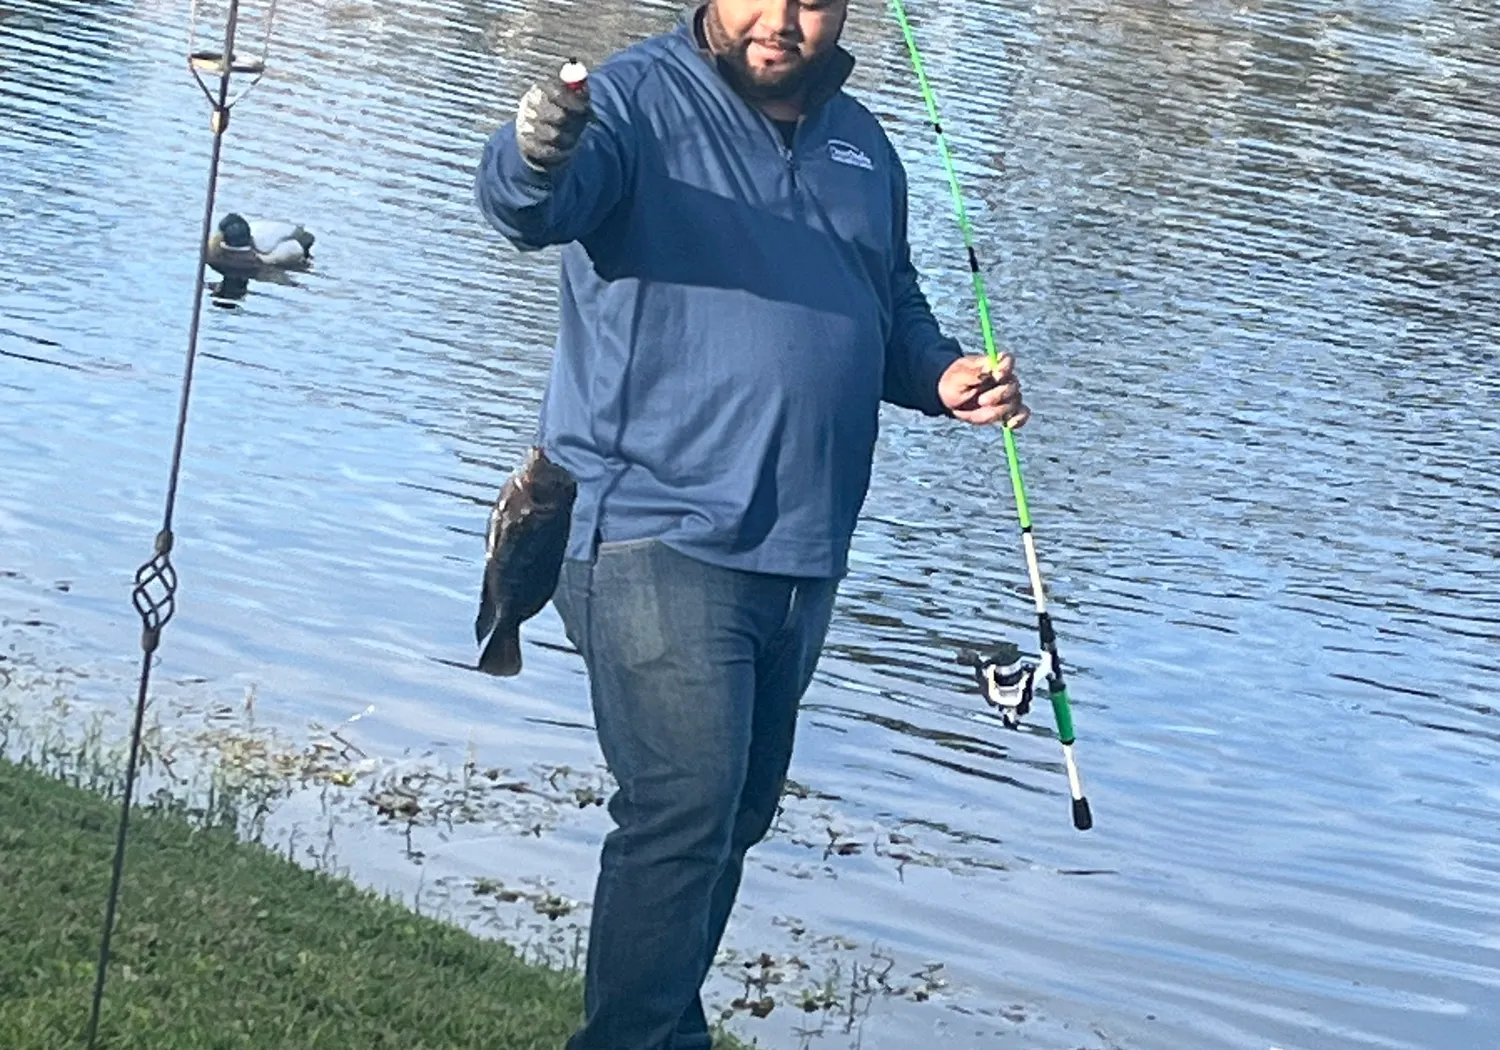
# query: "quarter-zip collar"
832,74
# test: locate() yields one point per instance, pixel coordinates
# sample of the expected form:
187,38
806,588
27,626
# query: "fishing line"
1016,683
155,592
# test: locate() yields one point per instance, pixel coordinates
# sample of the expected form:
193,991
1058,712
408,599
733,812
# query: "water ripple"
1244,252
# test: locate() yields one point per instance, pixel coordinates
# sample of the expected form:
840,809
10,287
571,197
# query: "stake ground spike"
155,592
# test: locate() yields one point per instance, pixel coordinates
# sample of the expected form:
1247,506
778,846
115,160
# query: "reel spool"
1006,681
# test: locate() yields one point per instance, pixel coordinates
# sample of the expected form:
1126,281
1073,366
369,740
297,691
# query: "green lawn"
222,945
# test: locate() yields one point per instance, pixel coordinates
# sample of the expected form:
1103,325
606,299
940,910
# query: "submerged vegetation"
222,941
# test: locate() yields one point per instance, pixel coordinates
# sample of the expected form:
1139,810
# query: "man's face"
769,46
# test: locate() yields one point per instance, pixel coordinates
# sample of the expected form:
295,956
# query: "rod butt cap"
1083,817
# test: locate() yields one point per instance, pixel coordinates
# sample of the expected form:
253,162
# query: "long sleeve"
918,352
538,209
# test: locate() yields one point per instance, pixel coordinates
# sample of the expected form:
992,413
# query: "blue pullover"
733,310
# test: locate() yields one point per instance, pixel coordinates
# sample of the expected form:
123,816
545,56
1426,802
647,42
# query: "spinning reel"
1007,682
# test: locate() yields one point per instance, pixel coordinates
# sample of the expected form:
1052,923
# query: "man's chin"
769,85
779,88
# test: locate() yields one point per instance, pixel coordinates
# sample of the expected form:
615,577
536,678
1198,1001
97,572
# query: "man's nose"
778,18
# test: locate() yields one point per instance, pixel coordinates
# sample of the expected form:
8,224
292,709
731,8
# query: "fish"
525,542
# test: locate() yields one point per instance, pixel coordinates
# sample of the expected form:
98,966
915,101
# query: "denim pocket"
626,607
571,599
621,546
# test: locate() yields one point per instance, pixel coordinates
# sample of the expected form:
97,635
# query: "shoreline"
222,942
215,771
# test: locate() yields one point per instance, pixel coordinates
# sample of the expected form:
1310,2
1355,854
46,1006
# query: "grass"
221,944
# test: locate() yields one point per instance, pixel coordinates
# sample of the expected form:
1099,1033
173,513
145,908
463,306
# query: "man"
737,299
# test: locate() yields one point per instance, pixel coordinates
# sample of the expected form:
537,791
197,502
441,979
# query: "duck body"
242,247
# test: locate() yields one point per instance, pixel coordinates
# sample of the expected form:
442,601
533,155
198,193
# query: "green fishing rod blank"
1051,661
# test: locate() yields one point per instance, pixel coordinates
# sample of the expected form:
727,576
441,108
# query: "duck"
241,247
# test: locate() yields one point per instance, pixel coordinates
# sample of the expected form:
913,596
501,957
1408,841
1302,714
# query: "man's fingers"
998,395
979,394
1012,415
1004,367
977,374
980,397
570,99
549,122
548,111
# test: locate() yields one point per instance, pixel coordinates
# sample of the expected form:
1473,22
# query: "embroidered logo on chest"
841,152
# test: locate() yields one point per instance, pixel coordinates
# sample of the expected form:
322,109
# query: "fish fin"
502,655
489,612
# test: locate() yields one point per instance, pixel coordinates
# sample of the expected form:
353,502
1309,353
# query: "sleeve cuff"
514,169
935,362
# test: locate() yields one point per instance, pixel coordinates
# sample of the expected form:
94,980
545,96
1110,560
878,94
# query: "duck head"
235,231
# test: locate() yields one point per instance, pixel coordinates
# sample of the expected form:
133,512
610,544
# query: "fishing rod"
1007,683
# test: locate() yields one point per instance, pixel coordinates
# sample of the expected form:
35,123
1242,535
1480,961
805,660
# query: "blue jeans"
696,674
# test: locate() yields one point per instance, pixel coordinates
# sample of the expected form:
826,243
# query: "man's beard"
734,62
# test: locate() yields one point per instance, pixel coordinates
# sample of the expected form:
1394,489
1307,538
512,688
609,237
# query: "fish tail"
502,654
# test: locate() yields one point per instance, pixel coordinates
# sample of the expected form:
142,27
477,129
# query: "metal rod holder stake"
155,593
